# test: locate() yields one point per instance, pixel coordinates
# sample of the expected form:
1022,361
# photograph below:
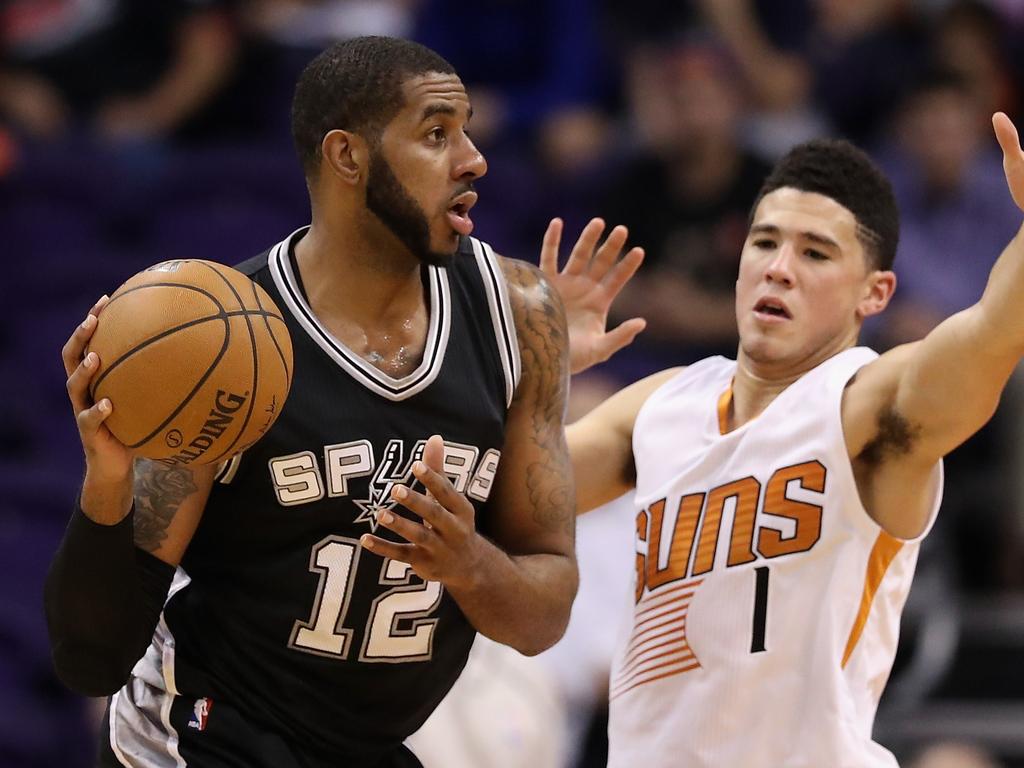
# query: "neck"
352,273
757,383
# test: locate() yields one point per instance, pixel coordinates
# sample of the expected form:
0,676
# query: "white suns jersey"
767,601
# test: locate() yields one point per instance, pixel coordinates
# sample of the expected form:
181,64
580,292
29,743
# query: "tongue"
460,222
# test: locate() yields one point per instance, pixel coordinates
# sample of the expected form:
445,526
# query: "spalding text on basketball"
226,404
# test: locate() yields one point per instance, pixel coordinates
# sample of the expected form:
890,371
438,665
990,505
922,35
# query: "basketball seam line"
255,365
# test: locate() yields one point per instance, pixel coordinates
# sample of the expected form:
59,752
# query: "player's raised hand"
592,278
1013,156
106,457
445,545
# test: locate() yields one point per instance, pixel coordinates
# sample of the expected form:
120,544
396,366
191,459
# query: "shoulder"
256,264
536,306
620,411
528,287
867,405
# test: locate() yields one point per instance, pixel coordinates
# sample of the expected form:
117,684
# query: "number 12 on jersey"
336,559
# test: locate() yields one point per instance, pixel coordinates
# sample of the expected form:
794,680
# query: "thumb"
620,336
433,453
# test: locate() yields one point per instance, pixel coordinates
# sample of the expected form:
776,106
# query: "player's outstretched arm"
918,402
108,580
601,444
588,284
518,590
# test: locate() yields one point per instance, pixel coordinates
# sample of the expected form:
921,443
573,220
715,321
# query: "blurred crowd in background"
131,132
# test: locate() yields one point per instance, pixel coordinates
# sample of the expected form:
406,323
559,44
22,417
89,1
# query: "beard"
389,201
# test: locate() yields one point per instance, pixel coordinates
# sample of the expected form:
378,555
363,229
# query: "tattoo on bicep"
159,492
543,390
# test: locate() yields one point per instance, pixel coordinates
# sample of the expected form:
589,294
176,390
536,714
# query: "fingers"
549,248
436,515
1006,135
1013,156
409,530
609,251
620,337
101,302
433,453
78,382
404,553
72,351
90,419
623,271
579,259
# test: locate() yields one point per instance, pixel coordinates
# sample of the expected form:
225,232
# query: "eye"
764,244
436,135
816,255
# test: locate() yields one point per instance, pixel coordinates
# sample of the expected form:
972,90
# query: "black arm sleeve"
103,598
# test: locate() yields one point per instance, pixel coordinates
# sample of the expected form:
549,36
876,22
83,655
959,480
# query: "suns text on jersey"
785,525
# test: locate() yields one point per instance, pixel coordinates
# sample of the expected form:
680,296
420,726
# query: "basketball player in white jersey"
781,496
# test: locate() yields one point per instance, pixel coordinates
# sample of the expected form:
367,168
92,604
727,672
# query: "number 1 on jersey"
760,609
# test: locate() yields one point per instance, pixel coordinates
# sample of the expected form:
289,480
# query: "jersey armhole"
502,319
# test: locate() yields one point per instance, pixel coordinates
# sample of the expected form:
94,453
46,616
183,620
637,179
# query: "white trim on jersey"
150,692
228,469
372,378
501,316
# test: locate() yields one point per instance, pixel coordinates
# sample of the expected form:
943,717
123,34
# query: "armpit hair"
896,437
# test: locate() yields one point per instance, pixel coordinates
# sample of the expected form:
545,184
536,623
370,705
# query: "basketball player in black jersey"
309,602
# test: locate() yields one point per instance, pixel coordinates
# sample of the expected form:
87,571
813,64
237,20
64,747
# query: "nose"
470,163
780,268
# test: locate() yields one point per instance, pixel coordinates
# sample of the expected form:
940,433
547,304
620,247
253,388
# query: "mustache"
463,189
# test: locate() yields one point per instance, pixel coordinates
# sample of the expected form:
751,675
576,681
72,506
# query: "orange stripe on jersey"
882,554
636,667
653,602
637,679
724,401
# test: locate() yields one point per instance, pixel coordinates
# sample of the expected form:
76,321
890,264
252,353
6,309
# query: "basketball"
196,360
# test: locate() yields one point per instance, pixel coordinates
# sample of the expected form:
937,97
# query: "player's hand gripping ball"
196,360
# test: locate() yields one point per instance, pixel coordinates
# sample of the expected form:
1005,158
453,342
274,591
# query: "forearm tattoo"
543,390
159,492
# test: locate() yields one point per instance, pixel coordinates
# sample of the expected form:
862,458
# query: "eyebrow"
441,109
771,229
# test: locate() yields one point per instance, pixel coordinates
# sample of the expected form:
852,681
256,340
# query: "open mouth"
458,213
772,307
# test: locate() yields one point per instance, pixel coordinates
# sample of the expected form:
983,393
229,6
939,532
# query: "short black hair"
355,85
839,170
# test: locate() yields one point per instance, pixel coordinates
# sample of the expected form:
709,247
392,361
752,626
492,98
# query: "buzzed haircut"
355,85
839,170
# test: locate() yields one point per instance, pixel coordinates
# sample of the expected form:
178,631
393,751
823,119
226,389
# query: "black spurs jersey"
283,622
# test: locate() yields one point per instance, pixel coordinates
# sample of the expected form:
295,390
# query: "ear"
345,155
878,290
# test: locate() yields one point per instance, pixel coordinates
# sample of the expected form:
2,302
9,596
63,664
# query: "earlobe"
343,155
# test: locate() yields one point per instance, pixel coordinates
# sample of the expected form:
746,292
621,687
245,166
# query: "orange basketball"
196,360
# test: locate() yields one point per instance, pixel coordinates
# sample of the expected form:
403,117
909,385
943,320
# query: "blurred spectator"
314,24
127,70
955,213
282,36
687,201
852,60
522,62
955,755
971,39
